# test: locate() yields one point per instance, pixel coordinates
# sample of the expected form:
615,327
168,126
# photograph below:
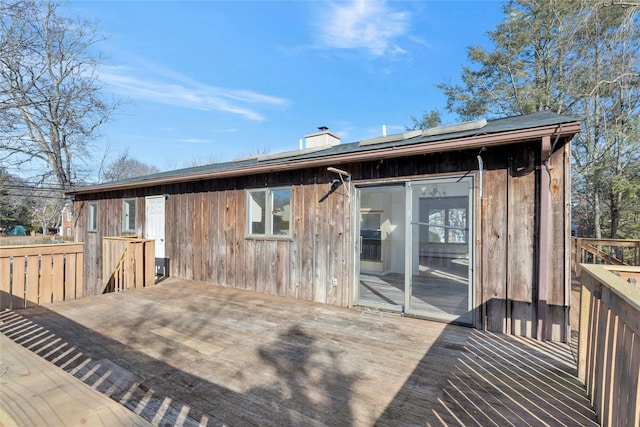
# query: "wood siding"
206,239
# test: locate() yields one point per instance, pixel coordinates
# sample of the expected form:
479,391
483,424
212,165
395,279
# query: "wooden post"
585,302
578,260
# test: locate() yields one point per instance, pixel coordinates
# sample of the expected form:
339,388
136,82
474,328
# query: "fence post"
578,256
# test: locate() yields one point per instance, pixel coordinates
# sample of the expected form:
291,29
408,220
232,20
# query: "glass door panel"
381,247
440,280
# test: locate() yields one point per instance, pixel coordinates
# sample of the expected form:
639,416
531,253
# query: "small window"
269,212
68,216
129,215
371,236
68,231
92,220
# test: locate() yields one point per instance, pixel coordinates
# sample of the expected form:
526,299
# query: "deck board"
190,353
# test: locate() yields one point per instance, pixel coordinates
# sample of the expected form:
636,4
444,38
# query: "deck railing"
127,263
604,251
40,274
609,343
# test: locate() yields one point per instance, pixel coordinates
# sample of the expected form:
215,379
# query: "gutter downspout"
478,246
544,241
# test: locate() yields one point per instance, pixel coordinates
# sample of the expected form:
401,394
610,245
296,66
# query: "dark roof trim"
375,153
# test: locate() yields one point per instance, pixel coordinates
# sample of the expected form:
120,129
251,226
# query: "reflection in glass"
281,211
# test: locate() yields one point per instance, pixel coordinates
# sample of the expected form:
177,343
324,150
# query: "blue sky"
214,80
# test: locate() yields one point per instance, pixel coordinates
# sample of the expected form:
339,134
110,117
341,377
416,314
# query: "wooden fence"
40,274
127,263
604,251
609,343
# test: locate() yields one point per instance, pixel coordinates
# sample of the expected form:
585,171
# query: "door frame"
472,224
401,185
161,262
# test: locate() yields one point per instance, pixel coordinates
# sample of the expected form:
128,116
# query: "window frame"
371,237
447,204
126,215
92,217
268,220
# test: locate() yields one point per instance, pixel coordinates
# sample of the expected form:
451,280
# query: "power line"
28,187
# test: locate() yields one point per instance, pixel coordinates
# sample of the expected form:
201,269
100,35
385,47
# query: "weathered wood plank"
230,237
337,367
70,277
129,267
295,260
190,235
213,237
222,239
139,265
308,243
282,268
198,231
5,283
238,238
521,244
33,281
46,279
35,394
149,268
80,275
557,297
633,408
321,245
494,250
57,278
18,282
29,250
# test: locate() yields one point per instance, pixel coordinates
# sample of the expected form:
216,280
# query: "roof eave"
455,144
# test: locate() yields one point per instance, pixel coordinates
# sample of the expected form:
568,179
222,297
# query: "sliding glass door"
415,248
381,247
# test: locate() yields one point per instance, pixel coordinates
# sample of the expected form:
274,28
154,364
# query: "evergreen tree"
579,58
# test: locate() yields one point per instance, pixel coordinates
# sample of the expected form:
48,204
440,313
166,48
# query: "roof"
447,138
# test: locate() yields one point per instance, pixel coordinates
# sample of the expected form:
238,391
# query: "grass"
38,239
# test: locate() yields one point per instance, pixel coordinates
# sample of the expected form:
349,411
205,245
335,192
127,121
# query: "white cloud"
363,24
167,87
195,141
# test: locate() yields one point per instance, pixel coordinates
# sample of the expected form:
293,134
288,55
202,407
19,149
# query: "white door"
154,227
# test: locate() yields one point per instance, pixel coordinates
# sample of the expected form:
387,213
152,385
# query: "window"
69,216
92,220
129,215
446,218
371,236
269,212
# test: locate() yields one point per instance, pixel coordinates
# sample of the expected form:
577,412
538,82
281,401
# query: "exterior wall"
206,239
509,237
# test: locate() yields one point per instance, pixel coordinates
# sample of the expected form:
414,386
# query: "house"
467,223
67,223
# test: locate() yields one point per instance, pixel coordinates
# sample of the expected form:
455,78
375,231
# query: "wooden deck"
187,353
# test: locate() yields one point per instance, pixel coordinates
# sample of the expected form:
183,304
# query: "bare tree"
47,211
50,96
126,167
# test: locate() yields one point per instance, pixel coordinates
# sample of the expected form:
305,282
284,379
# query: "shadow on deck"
186,353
